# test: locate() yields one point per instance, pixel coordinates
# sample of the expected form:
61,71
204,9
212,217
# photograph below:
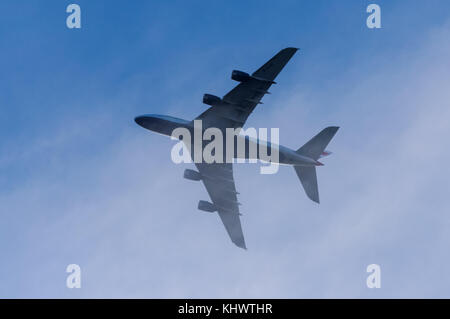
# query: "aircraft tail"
314,149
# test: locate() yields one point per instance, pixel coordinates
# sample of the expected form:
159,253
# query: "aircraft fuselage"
165,125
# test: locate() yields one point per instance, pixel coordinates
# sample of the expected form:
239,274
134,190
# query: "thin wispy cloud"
103,193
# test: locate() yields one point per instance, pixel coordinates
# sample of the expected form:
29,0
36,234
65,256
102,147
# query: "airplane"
232,111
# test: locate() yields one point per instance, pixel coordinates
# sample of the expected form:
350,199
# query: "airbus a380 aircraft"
232,111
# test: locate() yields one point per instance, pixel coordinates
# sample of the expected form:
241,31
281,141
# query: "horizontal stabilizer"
308,177
315,147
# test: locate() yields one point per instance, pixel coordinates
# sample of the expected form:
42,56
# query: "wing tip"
291,50
313,197
240,243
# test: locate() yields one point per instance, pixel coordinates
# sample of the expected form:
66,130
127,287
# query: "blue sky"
81,183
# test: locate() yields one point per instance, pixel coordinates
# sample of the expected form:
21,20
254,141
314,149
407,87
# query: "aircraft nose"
140,120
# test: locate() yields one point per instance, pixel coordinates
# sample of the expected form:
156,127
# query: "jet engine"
192,175
240,76
210,99
206,206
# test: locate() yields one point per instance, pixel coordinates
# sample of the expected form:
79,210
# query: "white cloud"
126,216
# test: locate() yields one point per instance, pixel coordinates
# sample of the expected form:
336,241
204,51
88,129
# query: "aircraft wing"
219,183
233,112
241,101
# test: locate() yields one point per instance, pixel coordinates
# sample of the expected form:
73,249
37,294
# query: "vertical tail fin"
313,149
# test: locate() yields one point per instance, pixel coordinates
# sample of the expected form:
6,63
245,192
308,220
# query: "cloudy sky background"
81,183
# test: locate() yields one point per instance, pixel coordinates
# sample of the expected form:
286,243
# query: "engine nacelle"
240,76
206,206
192,175
210,99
